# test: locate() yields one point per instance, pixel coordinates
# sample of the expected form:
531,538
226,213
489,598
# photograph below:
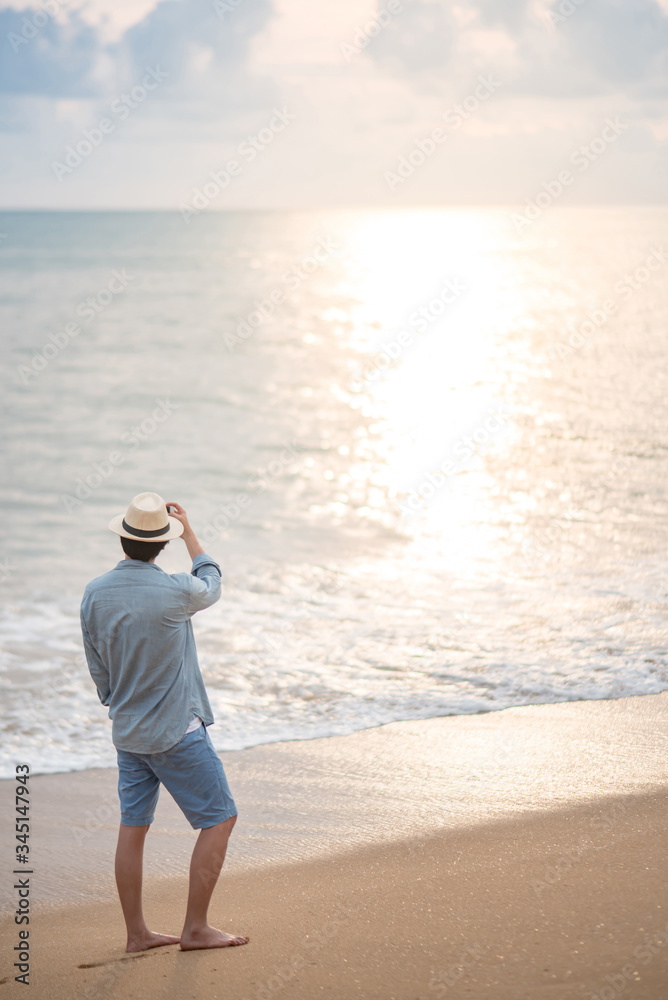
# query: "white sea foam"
277,668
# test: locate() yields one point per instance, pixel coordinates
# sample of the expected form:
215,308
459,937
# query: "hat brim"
175,530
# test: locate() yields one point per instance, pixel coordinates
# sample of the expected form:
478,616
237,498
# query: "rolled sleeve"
96,666
203,584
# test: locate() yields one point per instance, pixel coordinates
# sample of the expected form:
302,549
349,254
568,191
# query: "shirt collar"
138,562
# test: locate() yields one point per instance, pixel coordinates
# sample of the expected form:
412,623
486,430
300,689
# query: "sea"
428,448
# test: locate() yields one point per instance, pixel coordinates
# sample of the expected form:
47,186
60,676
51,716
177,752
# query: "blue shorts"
191,772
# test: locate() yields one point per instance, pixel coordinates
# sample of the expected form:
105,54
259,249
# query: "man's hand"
188,536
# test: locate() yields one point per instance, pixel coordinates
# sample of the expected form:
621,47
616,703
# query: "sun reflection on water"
433,319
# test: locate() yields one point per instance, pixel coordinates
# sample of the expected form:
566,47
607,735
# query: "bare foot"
150,940
209,937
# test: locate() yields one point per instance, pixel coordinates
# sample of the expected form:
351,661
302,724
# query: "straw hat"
147,520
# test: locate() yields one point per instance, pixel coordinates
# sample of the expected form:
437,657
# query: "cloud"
195,37
562,67
69,57
418,38
565,48
625,44
597,48
510,13
49,58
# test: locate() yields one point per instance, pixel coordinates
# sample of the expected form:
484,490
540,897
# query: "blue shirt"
139,644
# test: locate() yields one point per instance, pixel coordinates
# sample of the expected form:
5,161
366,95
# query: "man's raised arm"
205,587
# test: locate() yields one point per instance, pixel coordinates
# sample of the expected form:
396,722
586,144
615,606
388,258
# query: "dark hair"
141,550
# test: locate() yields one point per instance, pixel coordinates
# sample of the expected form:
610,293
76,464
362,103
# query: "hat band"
140,533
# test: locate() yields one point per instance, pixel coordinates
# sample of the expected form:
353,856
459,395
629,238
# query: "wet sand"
518,854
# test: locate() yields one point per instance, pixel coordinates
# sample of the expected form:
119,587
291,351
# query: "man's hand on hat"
188,536
176,510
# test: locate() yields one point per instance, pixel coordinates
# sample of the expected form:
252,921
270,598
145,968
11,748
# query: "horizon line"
512,206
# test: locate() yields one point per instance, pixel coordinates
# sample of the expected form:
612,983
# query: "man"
140,648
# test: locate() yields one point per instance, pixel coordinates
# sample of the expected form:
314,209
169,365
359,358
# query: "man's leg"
129,864
206,862
193,774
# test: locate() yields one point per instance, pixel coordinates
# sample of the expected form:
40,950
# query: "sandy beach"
518,854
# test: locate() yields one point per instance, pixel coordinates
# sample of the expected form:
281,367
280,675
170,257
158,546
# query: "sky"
300,104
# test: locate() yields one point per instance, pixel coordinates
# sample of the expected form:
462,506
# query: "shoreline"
282,740
371,726
303,799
